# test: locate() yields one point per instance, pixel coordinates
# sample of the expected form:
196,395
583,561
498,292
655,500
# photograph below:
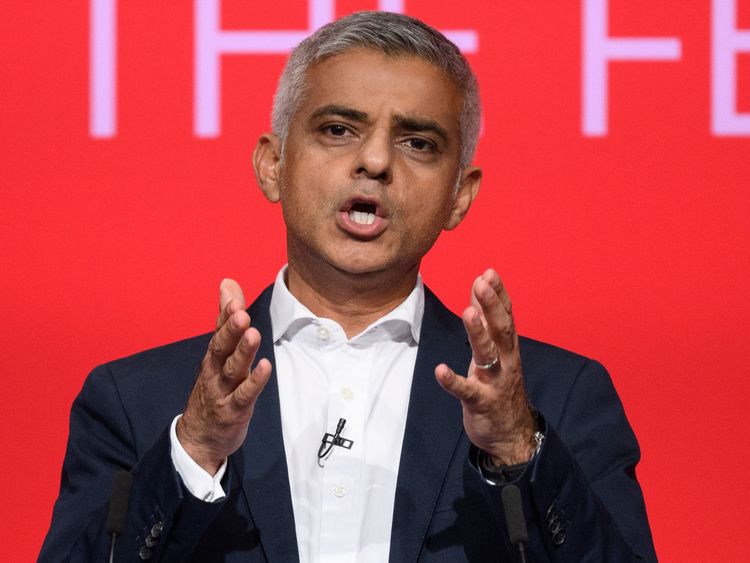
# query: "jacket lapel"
266,479
433,428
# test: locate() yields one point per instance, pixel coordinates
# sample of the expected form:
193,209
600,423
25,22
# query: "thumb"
456,385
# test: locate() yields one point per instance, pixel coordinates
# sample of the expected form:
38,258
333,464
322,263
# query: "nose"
375,158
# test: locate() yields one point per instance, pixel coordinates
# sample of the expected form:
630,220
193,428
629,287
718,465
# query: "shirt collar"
286,309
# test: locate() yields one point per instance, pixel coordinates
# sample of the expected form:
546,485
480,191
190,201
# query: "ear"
468,188
267,165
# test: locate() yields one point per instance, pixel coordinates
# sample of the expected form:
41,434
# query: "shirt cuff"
197,480
494,475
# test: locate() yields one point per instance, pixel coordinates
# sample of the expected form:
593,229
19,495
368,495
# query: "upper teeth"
362,217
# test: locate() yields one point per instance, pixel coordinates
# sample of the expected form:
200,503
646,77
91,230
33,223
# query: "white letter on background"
727,42
599,49
102,68
211,43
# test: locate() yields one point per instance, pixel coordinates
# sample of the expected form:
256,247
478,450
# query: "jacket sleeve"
581,499
164,521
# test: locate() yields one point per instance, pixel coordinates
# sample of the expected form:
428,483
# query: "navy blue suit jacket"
581,498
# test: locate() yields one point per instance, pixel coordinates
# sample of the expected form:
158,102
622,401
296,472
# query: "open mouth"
363,217
363,213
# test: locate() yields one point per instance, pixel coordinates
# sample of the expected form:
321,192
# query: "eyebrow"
341,111
421,125
409,123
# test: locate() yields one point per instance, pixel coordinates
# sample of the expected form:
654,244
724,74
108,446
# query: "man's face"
371,164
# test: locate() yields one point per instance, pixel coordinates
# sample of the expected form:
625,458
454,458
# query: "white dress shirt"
343,510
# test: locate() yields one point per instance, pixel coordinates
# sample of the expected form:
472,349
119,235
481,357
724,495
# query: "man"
375,122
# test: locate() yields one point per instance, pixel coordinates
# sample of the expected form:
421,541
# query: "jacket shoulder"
552,374
163,361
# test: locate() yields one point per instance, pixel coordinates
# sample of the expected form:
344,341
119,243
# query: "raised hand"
220,406
496,413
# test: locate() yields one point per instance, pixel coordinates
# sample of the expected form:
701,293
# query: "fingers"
237,365
231,300
493,398
215,420
484,350
493,279
226,338
247,392
494,303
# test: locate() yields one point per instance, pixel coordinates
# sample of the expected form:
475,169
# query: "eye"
420,144
335,129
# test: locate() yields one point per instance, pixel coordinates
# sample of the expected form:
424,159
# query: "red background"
630,248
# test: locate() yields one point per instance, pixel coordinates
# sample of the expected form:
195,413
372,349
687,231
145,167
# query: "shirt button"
339,490
347,394
323,333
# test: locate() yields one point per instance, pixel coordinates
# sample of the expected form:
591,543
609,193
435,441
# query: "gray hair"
393,35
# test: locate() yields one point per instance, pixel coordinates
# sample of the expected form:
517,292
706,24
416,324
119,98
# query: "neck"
354,301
